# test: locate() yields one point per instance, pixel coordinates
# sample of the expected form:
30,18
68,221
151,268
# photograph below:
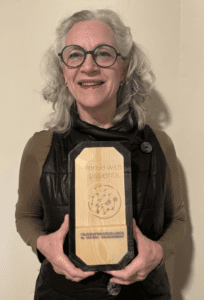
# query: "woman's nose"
89,64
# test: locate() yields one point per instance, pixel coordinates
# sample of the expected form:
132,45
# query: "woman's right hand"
51,246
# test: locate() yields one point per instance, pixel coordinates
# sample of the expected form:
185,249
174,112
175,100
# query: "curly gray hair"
131,94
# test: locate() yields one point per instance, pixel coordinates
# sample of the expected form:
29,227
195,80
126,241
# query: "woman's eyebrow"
97,45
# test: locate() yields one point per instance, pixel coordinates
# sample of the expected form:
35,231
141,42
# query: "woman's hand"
149,256
51,246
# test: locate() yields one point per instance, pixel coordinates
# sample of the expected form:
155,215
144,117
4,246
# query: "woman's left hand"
149,256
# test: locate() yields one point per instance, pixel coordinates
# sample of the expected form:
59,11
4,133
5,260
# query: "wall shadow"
157,111
159,118
184,255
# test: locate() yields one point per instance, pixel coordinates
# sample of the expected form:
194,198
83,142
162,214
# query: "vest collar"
123,132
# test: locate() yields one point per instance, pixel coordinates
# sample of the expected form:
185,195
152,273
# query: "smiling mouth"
89,84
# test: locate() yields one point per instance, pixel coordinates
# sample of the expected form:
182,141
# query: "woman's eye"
75,55
104,53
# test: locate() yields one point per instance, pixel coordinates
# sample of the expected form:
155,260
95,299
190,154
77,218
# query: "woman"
97,84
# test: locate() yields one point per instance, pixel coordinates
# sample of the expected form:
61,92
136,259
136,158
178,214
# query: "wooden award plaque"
100,215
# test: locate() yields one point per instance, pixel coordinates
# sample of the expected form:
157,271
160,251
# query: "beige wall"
173,36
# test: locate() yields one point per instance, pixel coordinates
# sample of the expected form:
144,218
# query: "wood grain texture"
100,215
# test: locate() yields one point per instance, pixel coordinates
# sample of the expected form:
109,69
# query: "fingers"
142,264
120,281
131,273
127,276
135,278
61,264
66,267
74,279
123,275
77,275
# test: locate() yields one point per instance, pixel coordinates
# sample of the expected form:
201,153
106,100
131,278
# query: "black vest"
151,212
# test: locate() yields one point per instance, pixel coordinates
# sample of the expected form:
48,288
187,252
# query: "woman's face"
88,35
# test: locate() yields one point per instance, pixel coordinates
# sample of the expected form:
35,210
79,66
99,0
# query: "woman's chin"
93,102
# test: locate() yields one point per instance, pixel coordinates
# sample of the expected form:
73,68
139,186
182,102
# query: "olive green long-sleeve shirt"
29,211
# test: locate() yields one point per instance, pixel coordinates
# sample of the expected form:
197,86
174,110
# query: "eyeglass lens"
104,56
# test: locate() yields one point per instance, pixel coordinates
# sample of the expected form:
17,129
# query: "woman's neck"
99,116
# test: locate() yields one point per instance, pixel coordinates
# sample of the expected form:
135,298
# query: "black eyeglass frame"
89,52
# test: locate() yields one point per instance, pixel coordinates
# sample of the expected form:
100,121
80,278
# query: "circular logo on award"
103,201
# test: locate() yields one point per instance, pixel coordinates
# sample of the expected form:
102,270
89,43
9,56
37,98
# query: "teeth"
91,83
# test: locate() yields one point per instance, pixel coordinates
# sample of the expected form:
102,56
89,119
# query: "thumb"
134,227
64,228
134,224
136,230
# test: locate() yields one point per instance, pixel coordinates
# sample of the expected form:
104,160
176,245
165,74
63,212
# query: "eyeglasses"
104,55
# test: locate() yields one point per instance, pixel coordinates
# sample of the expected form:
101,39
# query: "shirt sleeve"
175,232
29,211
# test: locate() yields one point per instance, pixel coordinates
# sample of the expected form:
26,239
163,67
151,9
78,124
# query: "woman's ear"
124,72
64,75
